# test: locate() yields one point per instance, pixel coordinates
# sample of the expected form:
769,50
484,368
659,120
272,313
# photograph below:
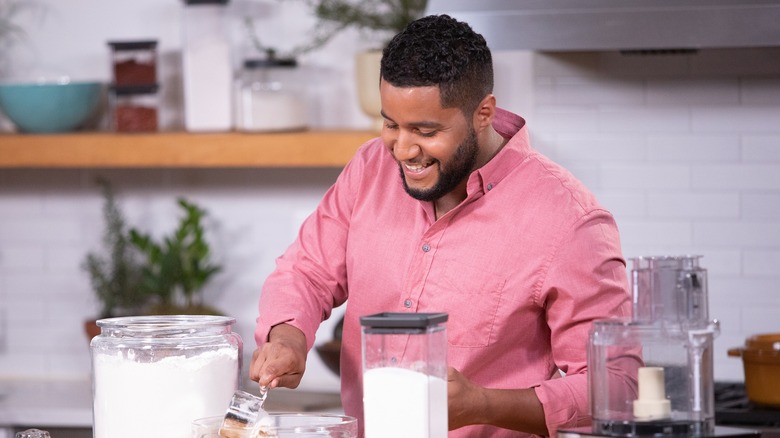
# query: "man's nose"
405,147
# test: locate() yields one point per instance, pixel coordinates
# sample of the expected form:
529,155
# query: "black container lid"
129,90
274,62
399,320
205,2
133,45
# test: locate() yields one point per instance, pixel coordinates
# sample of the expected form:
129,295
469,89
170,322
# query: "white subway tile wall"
49,224
703,172
683,149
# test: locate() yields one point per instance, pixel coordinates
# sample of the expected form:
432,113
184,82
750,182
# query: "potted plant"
178,266
385,18
137,275
114,273
10,30
8,8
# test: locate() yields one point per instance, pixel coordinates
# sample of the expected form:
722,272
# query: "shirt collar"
512,127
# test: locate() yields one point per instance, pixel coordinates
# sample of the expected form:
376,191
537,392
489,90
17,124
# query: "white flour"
402,403
266,110
161,399
207,69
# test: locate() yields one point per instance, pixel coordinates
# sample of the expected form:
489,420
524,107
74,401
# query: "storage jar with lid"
134,62
134,108
207,67
155,375
405,375
269,97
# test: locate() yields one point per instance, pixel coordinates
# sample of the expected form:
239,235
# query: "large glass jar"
155,375
269,97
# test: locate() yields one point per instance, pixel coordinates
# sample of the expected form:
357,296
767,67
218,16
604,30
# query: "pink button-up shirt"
522,266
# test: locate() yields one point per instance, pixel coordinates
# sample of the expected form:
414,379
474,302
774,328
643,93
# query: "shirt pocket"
470,295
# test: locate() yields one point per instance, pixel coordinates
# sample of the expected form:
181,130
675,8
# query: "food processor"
652,374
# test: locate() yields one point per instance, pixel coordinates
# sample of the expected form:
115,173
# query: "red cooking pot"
761,363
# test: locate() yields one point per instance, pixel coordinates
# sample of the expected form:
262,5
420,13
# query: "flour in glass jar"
160,399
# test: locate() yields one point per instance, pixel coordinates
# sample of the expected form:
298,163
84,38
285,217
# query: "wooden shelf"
181,149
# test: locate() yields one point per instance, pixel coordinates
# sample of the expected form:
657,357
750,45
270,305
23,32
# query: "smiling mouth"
417,167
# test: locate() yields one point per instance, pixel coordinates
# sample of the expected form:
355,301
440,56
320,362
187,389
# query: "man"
516,250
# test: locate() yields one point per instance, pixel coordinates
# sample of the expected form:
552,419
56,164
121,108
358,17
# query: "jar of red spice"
134,108
134,62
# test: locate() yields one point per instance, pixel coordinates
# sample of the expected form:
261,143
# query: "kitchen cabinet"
320,148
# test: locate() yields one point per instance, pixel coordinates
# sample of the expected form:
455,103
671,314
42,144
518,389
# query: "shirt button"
490,186
407,303
426,247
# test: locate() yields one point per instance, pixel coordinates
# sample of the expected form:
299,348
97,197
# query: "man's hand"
514,409
282,360
465,400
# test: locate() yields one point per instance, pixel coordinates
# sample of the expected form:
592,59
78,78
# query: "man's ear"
483,115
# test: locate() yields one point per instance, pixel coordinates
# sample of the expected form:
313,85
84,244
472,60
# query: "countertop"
68,403
43,403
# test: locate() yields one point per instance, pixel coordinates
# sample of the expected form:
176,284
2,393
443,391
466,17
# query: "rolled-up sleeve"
586,281
310,278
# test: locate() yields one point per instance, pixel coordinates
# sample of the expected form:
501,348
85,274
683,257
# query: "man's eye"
426,133
389,125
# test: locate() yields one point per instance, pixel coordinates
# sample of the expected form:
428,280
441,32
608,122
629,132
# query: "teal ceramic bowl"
49,107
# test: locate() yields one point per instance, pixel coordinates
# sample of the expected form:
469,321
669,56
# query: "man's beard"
451,173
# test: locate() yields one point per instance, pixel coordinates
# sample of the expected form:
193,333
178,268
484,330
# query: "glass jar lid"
166,326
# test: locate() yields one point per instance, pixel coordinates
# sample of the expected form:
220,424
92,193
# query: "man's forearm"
515,409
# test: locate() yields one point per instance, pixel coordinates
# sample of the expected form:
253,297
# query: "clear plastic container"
134,62
287,425
673,366
669,288
134,108
269,98
207,67
405,375
155,375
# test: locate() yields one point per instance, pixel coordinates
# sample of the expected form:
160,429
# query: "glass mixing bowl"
293,425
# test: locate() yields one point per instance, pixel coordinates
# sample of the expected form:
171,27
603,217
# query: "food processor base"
672,429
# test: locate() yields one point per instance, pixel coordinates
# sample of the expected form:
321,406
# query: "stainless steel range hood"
574,25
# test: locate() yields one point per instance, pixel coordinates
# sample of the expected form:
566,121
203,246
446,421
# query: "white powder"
266,110
163,398
402,403
207,69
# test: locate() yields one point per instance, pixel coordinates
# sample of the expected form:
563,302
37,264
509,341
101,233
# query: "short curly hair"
440,50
